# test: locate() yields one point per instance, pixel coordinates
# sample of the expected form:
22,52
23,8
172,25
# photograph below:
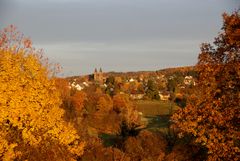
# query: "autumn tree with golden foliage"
63,88
123,105
212,115
31,124
78,100
104,104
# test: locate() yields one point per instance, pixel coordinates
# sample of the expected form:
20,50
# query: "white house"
164,96
188,80
85,84
131,80
76,86
137,96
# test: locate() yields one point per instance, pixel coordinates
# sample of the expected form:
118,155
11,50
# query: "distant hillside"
169,71
166,71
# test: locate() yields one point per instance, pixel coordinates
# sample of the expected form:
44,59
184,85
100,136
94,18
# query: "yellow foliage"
29,106
123,105
105,103
78,100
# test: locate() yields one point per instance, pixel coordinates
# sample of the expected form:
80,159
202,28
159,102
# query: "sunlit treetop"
29,102
213,111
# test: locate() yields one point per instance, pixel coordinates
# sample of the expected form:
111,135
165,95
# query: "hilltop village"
157,85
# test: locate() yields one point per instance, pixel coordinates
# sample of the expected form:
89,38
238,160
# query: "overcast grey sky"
117,35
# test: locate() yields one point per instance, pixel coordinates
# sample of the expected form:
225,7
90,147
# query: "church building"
98,76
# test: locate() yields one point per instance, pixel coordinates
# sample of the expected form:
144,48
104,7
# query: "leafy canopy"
212,115
30,117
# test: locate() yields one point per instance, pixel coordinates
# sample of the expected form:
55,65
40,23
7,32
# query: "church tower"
98,76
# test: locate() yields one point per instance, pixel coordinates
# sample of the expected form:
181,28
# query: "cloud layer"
117,35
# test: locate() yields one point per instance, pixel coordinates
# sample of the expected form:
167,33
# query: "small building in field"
188,80
136,96
164,96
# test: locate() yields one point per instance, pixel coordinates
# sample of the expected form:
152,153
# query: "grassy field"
155,113
153,108
155,117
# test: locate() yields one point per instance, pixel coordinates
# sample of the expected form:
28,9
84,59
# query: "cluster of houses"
164,96
99,78
78,86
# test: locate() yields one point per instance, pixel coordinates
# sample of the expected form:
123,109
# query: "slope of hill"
167,71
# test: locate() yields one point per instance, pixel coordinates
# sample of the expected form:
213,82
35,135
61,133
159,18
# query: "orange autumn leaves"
30,117
213,113
32,125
